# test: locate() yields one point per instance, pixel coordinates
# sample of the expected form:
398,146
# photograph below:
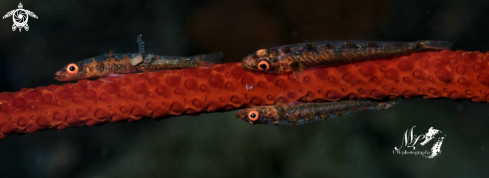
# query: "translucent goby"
298,57
297,114
112,63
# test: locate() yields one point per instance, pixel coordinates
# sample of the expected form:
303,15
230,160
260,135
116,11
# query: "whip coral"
449,74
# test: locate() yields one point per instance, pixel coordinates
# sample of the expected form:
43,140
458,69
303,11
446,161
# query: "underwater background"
218,144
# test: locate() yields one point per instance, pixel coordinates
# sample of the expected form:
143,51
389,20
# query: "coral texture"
449,74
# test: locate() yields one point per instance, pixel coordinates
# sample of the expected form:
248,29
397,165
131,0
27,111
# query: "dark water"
217,144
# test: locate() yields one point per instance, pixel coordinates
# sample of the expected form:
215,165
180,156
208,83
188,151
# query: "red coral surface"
449,74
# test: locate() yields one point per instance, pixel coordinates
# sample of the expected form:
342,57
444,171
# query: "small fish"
297,114
298,57
104,65
112,63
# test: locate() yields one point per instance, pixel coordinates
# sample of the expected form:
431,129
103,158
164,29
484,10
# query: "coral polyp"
449,74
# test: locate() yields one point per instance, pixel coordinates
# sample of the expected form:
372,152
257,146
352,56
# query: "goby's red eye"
72,68
253,115
263,65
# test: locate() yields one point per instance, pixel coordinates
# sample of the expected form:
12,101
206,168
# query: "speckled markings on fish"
297,57
297,114
112,63
121,64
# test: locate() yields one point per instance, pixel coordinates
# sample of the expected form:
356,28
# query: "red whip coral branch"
457,75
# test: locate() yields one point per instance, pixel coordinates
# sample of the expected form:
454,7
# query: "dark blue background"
218,144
